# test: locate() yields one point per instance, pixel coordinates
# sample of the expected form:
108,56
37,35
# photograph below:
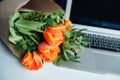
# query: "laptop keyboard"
103,42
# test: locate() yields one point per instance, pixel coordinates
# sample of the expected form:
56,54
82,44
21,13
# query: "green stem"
29,28
34,40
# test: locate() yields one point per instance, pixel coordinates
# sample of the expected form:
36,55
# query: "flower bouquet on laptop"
38,32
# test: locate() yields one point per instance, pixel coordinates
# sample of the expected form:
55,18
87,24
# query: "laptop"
101,18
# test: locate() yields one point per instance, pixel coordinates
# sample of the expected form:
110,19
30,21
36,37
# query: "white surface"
11,69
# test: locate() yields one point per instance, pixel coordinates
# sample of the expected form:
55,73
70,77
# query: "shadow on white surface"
11,69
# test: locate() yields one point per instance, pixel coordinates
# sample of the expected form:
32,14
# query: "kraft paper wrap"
7,7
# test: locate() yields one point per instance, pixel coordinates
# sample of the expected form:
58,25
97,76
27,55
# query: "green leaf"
22,44
26,14
30,25
32,47
51,16
12,32
66,56
24,47
70,52
71,56
51,22
15,39
44,17
69,46
86,39
58,61
15,16
59,12
82,30
75,60
67,34
25,31
79,39
57,19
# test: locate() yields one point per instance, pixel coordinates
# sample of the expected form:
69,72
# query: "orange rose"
32,61
55,34
68,25
48,52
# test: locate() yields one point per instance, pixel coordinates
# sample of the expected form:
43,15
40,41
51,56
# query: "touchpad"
95,60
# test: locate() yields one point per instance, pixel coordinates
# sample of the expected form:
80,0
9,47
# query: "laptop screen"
100,13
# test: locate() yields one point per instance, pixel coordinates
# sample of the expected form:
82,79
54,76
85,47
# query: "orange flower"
48,52
55,34
68,25
32,61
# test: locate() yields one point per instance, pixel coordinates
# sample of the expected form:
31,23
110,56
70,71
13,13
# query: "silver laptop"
101,18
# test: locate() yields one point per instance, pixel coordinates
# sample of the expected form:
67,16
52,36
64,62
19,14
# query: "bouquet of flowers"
40,37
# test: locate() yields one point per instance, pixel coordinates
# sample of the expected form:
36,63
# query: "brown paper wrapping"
8,7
